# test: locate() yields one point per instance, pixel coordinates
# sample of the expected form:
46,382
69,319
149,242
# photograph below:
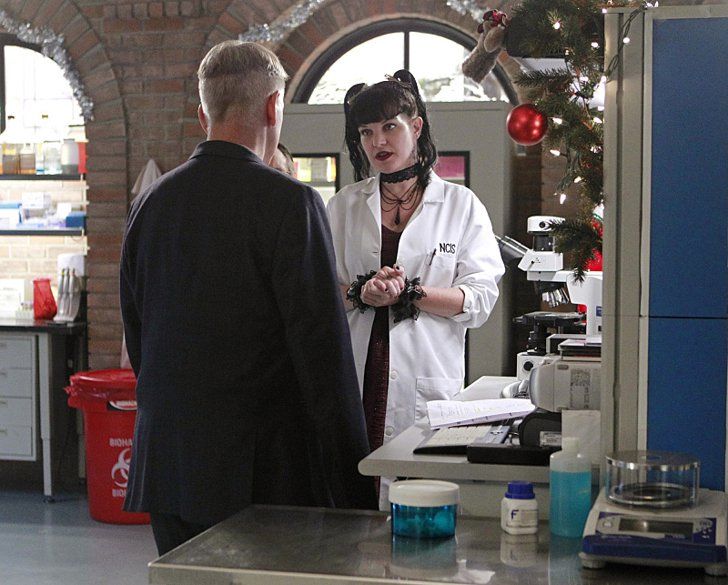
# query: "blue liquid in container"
424,522
570,502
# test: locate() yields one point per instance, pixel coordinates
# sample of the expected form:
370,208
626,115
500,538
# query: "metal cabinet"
36,360
18,398
665,345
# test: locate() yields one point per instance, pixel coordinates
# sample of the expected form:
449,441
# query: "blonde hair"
238,75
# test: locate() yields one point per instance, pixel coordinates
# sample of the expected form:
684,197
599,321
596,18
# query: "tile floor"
59,543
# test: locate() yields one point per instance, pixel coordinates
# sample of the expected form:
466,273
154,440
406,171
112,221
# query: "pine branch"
529,79
580,238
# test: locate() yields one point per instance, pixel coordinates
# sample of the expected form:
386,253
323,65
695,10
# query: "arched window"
433,52
33,90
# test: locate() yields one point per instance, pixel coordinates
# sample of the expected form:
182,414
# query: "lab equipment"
565,384
69,296
424,508
560,368
544,267
653,512
653,479
570,487
455,440
519,509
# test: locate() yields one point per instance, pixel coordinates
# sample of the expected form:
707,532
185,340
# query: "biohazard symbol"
120,471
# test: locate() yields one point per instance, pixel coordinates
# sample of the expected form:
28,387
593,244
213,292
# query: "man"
282,160
246,386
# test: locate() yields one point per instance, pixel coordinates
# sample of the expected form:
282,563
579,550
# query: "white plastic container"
519,509
570,487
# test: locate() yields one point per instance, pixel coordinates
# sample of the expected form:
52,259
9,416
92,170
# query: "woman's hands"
384,288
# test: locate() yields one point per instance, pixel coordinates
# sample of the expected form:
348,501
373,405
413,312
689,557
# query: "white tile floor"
59,544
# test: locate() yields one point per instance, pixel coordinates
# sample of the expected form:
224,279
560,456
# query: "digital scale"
652,512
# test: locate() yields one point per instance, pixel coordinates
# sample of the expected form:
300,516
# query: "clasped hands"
384,288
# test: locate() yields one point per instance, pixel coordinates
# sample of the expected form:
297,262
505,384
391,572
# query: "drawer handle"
3,402
4,432
4,373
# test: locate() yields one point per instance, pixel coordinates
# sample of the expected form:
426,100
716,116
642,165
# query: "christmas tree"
573,30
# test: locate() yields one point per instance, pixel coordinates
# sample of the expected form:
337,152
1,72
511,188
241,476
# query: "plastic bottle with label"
519,509
570,486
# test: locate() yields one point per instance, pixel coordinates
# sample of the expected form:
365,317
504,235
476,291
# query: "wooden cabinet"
18,397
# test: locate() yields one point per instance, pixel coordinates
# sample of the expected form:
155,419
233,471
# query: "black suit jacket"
235,327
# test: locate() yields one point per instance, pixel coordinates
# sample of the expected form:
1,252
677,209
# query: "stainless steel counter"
285,545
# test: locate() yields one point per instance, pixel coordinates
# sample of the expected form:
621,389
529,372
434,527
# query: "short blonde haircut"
236,75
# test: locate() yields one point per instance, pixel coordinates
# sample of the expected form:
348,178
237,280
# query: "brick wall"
32,256
138,62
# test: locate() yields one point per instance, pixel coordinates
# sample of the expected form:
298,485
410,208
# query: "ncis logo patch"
447,248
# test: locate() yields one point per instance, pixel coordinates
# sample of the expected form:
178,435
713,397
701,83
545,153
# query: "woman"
416,257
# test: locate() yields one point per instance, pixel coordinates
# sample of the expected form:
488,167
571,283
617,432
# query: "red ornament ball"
526,125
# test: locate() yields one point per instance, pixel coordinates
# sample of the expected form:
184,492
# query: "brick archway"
334,20
107,161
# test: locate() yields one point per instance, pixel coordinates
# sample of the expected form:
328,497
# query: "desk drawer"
16,441
16,411
16,352
16,382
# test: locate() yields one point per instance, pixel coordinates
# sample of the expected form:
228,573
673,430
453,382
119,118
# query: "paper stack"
452,413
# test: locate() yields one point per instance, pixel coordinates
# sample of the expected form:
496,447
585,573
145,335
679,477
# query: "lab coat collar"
435,192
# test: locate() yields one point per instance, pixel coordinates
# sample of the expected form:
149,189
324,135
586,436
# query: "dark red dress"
376,372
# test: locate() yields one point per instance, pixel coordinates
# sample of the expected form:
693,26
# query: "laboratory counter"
9,324
481,485
275,545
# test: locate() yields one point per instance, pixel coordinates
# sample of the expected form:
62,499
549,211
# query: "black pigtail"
426,151
351,136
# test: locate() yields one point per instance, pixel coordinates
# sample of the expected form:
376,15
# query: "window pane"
34,86
435,62
317,171
368,62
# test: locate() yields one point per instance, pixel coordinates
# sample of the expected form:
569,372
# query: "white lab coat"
448,242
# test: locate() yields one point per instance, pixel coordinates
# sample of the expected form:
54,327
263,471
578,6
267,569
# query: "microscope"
560,368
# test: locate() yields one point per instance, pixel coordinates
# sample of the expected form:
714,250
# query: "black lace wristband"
405,307
354,292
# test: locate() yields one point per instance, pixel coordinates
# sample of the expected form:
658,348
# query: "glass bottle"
39,138
27,159
51,148
11,148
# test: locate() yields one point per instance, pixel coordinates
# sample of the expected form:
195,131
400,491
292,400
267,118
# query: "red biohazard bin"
108,401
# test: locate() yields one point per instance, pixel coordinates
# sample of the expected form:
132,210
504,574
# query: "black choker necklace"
401,175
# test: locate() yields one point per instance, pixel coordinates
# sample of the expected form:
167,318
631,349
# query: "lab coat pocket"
440,271
434,389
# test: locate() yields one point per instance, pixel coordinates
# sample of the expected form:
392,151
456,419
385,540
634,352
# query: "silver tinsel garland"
273,33
277,32
51,45
471,7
